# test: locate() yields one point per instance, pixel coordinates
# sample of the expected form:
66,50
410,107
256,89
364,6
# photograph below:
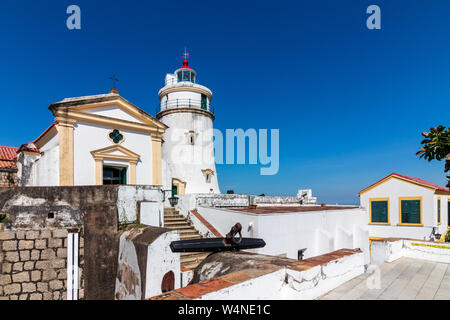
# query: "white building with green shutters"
400,206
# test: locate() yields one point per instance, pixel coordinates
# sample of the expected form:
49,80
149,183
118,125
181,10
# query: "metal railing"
175,80
184,103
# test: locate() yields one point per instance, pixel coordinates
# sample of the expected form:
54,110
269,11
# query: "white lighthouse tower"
188,148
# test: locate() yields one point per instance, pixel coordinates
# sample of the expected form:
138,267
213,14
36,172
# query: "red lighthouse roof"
185,60
185,64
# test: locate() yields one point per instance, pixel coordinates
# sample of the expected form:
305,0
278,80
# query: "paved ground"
404,279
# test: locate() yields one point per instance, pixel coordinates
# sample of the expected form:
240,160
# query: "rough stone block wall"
8,178
33,264
92,209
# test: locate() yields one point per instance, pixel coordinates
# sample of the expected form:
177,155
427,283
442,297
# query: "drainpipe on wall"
72,265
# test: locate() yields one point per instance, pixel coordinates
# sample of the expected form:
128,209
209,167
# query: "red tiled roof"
46,130
30,146
8,157
422,182
412,179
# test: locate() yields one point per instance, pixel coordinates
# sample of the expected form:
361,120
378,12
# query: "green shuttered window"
379,211
439,210
410,211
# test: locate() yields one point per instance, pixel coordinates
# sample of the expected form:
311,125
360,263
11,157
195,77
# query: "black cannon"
229,243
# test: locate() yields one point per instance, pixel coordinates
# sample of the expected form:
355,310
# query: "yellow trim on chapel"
108,121
46,137
156,160
104,154
181,185
65,131
124,106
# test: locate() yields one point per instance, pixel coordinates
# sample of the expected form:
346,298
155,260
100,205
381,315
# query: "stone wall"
33,264
51,211
93,210
8,177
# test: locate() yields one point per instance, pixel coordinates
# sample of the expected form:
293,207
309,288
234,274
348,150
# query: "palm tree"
436,145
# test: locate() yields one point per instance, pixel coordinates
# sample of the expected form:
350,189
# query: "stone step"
175,225
171,213
189,236
173,219
166,214
188,231
183,227
174,222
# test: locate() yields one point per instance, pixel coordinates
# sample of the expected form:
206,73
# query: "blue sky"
350,102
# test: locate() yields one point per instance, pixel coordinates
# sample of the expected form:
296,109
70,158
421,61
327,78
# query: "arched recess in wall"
179,186
168,282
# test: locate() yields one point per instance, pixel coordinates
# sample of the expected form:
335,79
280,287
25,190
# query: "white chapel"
105,139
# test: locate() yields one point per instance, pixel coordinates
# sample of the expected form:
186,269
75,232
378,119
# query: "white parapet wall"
388,250
192,201
146,262
143,203
318,232
291,284
313,283
282,279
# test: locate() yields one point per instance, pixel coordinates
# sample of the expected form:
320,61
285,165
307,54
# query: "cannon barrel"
215,245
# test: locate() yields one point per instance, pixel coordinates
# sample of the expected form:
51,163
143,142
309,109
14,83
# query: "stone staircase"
174,220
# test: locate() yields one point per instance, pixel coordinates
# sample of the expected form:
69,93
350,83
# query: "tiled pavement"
404,279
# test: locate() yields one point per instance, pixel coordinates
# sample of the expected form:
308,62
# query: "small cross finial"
186,54
114,79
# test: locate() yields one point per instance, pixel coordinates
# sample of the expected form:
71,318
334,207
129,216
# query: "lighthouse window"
191,137
186,75
208,173
204,102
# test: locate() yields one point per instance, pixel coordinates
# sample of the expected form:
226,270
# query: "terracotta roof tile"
8,157
172,295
